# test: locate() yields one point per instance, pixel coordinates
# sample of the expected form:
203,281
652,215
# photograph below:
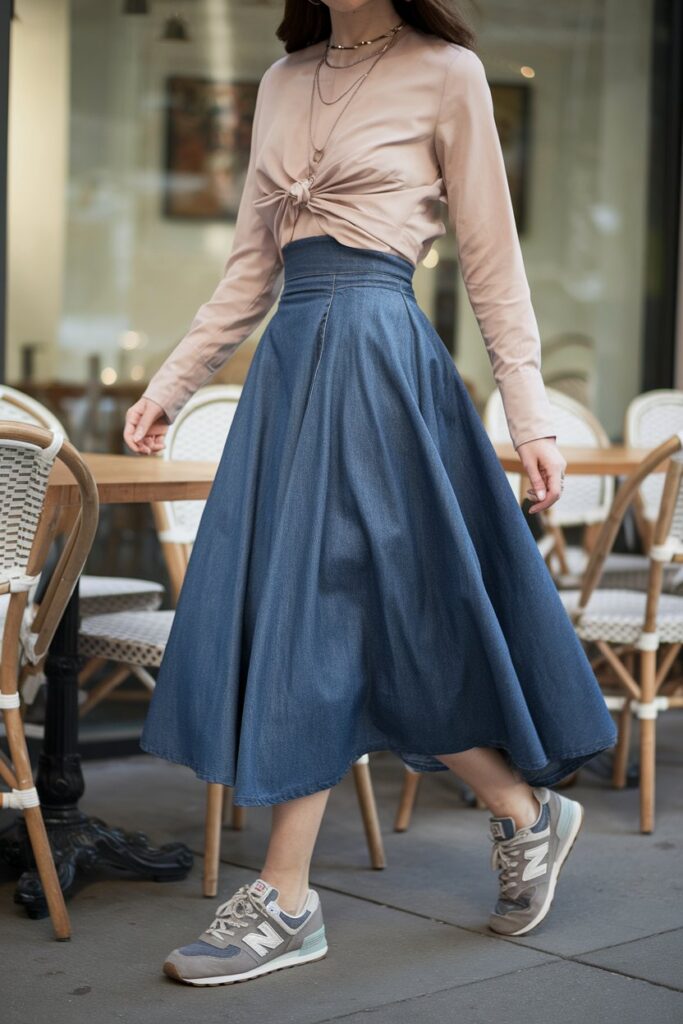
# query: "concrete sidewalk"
407,944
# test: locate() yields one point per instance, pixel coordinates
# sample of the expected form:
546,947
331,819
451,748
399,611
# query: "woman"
363,578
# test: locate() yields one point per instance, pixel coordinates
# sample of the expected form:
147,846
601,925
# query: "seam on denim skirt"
322,328
359,272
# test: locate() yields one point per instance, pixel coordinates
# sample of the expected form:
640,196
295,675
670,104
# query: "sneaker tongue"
262,892
503,828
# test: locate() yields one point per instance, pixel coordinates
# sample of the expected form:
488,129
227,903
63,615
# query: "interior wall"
37,175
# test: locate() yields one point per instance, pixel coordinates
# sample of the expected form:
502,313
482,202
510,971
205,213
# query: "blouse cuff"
527,408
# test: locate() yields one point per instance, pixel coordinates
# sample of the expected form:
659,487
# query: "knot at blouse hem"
299,192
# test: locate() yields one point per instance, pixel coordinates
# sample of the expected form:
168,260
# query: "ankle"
292,888
524,811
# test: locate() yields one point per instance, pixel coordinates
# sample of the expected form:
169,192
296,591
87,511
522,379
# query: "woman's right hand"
146,427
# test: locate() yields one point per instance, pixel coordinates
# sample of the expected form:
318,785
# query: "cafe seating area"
613,544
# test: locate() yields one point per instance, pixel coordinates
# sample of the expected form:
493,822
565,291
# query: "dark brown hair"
305,23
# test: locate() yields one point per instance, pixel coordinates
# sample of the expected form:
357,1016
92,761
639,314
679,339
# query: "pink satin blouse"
420,133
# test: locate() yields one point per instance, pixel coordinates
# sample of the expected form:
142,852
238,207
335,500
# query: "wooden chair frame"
637,669
35,639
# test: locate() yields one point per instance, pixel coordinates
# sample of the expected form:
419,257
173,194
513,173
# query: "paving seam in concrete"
435,992
631,977
629,942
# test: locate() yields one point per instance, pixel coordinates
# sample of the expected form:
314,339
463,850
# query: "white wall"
39,83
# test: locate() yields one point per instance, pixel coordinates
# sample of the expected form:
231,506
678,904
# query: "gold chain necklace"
326,58
351,64
363,42
316,152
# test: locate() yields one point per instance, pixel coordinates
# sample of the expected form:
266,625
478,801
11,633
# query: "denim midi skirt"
363,577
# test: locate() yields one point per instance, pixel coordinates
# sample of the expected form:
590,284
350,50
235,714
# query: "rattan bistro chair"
199,432
585,500
27,454
96,593
650,419
638,634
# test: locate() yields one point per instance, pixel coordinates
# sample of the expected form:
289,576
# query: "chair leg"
411,783
35,826
239,817
237,814
47,872
102,690
647,775
647,718
212,837
621,752
368,808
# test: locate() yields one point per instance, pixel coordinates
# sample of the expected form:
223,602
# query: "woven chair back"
667,542
198,433
27,527
650,419
585,499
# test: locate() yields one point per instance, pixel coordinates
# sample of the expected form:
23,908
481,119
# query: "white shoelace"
233,914
505,858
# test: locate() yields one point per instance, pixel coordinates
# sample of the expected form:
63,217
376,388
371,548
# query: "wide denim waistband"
323,256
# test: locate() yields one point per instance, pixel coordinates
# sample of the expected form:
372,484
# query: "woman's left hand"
544,464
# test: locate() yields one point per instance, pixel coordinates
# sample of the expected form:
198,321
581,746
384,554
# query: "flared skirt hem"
534,774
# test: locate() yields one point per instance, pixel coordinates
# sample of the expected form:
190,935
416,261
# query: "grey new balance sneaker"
251,935
529,860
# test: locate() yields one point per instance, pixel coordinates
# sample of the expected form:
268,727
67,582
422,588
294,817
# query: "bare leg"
495,783
290,847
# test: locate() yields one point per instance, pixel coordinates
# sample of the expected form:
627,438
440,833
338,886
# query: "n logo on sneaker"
261,943
535,867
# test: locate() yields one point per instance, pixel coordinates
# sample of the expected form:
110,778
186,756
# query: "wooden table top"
136,478
617,460
130,478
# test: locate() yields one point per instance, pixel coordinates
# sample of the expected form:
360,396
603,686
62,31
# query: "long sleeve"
480,210
245,293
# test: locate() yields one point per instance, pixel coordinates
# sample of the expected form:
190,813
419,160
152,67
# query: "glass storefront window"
105,275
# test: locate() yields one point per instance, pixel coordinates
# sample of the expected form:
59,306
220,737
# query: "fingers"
145,427
548,491
545,470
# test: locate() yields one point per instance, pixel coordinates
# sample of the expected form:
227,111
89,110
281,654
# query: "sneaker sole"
288,960
554,875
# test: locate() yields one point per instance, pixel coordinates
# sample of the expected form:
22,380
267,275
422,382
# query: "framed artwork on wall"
512,112
208,135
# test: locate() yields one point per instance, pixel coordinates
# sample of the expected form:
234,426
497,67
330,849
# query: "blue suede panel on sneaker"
507,825
206,949
542,819
294,922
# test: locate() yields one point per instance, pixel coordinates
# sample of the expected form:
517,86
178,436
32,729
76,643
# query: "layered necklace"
315,153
